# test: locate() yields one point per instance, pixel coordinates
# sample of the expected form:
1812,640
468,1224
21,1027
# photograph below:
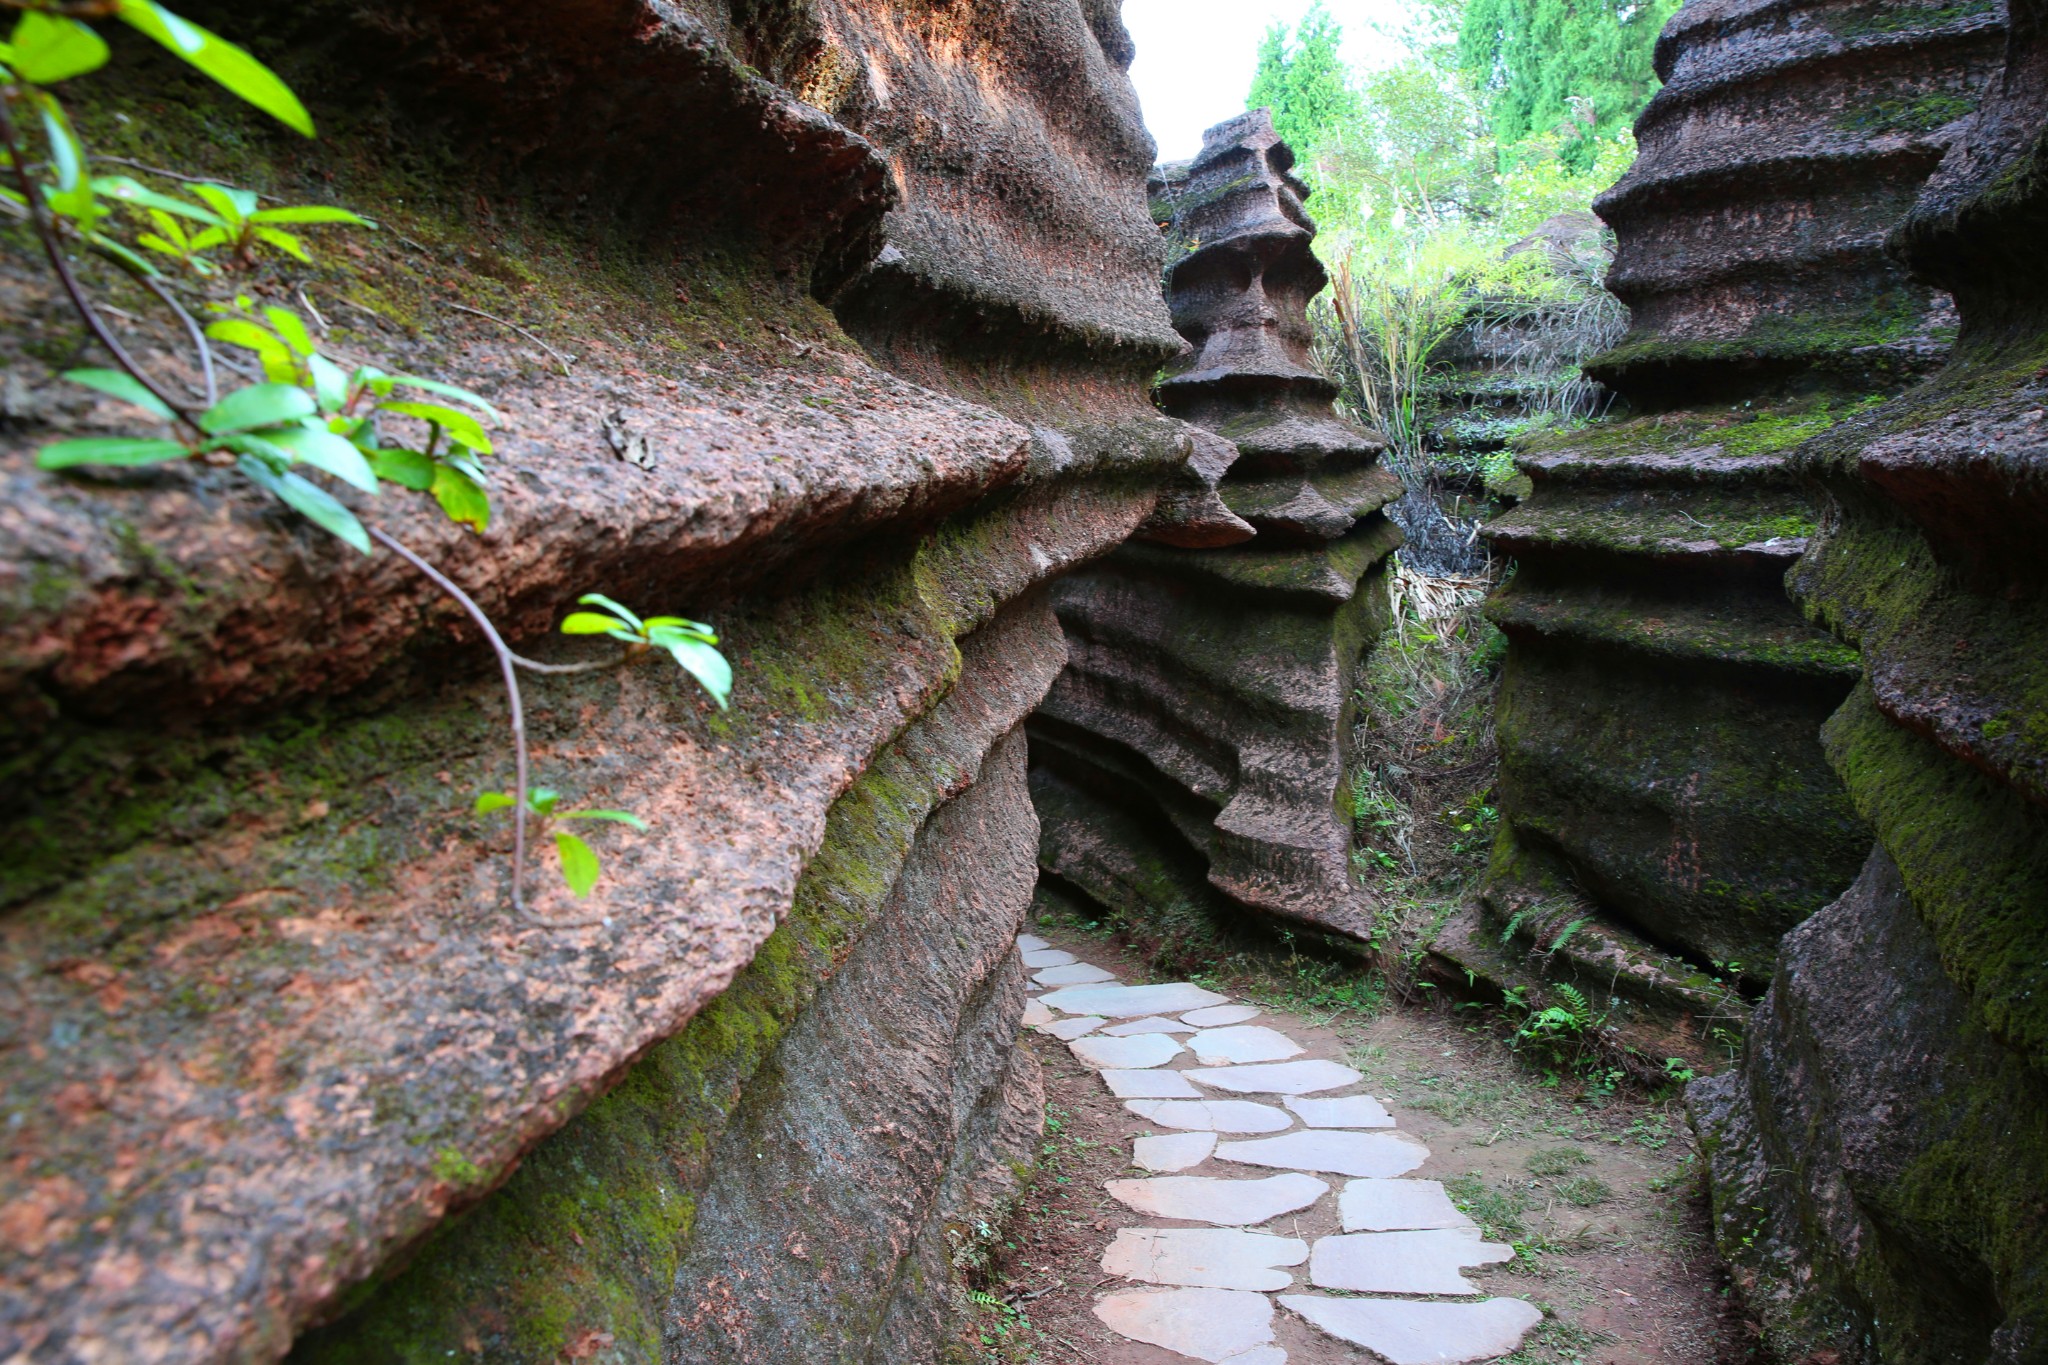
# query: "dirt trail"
1595,1197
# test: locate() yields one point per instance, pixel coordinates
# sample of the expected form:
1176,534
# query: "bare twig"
307,304
511,674
53,247
175,175
594,666
478,312
192,330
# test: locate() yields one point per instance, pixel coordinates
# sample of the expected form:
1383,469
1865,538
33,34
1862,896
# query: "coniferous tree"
1582,66
1304,82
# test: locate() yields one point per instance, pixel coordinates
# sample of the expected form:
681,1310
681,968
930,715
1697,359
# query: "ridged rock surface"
1661,706
1187,763
1879,1162
267,1024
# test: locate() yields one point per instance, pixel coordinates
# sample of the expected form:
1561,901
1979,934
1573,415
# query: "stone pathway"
1273,1132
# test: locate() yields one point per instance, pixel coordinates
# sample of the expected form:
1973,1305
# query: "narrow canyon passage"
1228,1179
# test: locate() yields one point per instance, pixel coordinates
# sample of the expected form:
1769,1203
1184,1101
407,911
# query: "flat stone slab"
1216,1016
1154,1084
1347,1111
1048,957
1274,1078
1421,1333
1035,1013
1398,1206
1150,1024
1074,974
1031,943
1329,1149
1227,1203
1209,1324
1207,1258
1130,1002
1067,1030
1129,1054
1244,1043
1172,1151
1403,1262
1212,1116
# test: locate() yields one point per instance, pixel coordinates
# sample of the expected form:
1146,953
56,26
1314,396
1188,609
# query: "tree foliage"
1580,67
1305,82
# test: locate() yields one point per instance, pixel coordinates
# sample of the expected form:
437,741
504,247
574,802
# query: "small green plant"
580,866
1584,1191
229,220
1676,1071
1554,1161
690,643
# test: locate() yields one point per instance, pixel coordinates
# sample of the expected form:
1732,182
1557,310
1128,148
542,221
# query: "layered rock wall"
1879,1161
1187,764
1662,702
277,1056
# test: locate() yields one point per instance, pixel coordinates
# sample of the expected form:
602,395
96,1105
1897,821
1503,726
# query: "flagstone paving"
1210,1293
1212,1116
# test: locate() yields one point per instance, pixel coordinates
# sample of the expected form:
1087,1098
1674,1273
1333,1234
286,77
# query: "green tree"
1580,67
1305,82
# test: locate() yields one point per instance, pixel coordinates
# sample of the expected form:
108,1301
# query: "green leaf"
330,384
308,213
494,801
317,446
311,501
258,405
542,799
709,633
108,450
67,153
707,666
122,256
275,457
277,357
233,205
220,59
590,623
129,191
580,868
459,459
208,239
290,329
48,49
412,381
406,468
462,498
598,599
285,242
459,425
124,386
665,637
617,817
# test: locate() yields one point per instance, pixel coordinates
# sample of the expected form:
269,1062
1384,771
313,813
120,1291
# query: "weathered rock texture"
1188,761
274,1051
1880,1160
1661,706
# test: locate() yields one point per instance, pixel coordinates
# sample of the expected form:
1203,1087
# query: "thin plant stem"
511,674
53,247
192,329
594,666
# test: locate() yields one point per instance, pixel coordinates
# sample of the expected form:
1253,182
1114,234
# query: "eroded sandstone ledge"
270,1024
1188,762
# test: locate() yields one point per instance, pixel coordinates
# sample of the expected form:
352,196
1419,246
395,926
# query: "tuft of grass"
1584,1191
1557,1161
1456,1099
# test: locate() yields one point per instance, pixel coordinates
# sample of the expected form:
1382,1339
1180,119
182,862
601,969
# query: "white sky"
1196,57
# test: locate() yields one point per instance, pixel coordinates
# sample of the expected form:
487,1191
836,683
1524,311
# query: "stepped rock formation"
1662,701
1187,764
1879,1162
277,1055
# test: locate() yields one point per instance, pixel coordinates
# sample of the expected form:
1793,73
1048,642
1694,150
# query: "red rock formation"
1187,763
1879,1162
268,1021
1662,701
